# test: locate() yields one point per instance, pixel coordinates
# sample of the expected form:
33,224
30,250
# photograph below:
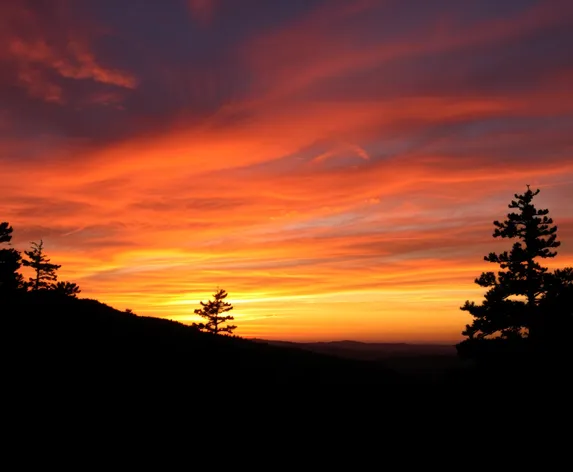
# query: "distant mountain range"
370,351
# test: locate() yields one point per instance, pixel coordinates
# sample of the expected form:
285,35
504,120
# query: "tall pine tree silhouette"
213,311
511,306
45,271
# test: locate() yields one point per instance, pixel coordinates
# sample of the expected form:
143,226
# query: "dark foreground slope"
56,340
52,343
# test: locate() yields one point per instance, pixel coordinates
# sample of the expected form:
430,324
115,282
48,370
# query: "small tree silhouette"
213,311
45,271
10,262
521,276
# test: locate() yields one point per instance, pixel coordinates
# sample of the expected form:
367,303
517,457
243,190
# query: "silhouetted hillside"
58,343
57,338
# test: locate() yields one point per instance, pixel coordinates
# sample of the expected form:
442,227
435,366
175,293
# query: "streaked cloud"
334,165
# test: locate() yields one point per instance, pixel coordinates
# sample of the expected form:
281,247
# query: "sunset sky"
335,165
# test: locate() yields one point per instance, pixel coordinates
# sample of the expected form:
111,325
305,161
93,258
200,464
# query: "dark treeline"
44,271
520,332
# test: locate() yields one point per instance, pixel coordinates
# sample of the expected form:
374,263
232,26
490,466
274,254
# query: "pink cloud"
202,10
40,55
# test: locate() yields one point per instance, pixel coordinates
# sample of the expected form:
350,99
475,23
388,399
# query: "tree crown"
45,271
5,232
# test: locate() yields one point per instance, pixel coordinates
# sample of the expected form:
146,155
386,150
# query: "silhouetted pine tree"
45,271
10,262
213,311
511,308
